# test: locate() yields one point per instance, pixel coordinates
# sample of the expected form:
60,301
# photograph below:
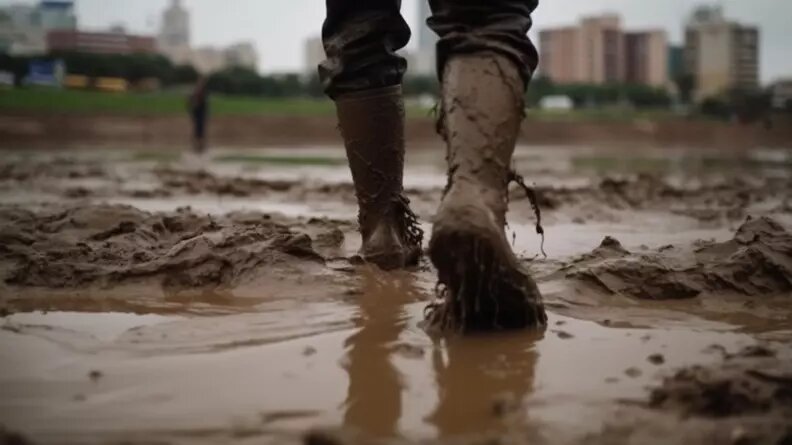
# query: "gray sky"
279,27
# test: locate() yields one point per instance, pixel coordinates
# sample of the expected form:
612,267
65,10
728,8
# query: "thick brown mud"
154,301
756,262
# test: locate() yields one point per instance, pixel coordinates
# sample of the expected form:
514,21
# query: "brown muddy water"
150,299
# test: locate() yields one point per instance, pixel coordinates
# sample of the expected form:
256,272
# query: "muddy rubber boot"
485,286
372,125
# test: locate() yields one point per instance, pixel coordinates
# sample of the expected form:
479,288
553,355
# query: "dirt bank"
19,130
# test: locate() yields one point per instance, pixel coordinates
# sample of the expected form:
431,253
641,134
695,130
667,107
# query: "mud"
45,130
750,392
110,249
150,300
756,262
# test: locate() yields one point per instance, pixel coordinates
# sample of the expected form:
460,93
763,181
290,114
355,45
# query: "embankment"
27,129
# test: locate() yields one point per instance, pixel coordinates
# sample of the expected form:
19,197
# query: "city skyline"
279,30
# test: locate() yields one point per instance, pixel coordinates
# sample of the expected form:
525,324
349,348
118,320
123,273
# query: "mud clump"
757,261
742,386
56,168
197,182
12,438
709,202
108,245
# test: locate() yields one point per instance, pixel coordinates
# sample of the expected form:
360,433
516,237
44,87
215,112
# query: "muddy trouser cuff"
373,93
361,39
498,26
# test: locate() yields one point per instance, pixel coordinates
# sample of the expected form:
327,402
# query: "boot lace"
408,221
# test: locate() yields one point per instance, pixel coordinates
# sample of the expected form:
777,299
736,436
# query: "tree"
686,84
185,74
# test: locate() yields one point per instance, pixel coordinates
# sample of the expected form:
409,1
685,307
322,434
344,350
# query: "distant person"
485,61
198,105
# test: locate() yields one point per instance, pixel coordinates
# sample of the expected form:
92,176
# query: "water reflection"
374,398
482,382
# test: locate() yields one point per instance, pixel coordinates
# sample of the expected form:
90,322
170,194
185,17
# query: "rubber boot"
485,286
372,125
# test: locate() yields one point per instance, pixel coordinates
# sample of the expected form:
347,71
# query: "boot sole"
487,288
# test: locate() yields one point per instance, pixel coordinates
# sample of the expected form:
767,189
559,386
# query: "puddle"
380,374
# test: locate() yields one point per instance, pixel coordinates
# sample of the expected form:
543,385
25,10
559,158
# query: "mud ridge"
108,245
757,261
724,198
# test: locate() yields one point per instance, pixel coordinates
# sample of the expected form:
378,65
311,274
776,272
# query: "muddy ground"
75,130
150,299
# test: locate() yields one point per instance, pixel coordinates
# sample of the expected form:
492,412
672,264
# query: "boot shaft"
481,116
372,126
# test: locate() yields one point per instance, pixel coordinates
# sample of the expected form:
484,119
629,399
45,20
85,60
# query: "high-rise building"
423,61
208,60
243,55
20,33
561,54
720,54
597,51
175,28
782,94
314,55
24,28
676,61
646,58
427,39
57,15
602,49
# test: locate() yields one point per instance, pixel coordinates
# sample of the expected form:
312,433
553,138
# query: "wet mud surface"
156,300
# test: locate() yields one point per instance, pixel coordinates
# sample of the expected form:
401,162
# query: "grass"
283,160
170,103
621,164
161,103
601,115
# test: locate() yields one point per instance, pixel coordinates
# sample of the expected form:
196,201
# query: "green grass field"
71,101
164,103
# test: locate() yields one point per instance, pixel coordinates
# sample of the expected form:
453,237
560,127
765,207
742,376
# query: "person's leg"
485,60
363,74
199,131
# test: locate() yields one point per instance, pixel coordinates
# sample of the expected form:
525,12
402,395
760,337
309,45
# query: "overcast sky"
280,27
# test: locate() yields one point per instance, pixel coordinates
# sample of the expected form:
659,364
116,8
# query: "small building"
782,94
242,55
314,53
57,15
100,42
556,103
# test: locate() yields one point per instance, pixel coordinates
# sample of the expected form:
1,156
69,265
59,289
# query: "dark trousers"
361,38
